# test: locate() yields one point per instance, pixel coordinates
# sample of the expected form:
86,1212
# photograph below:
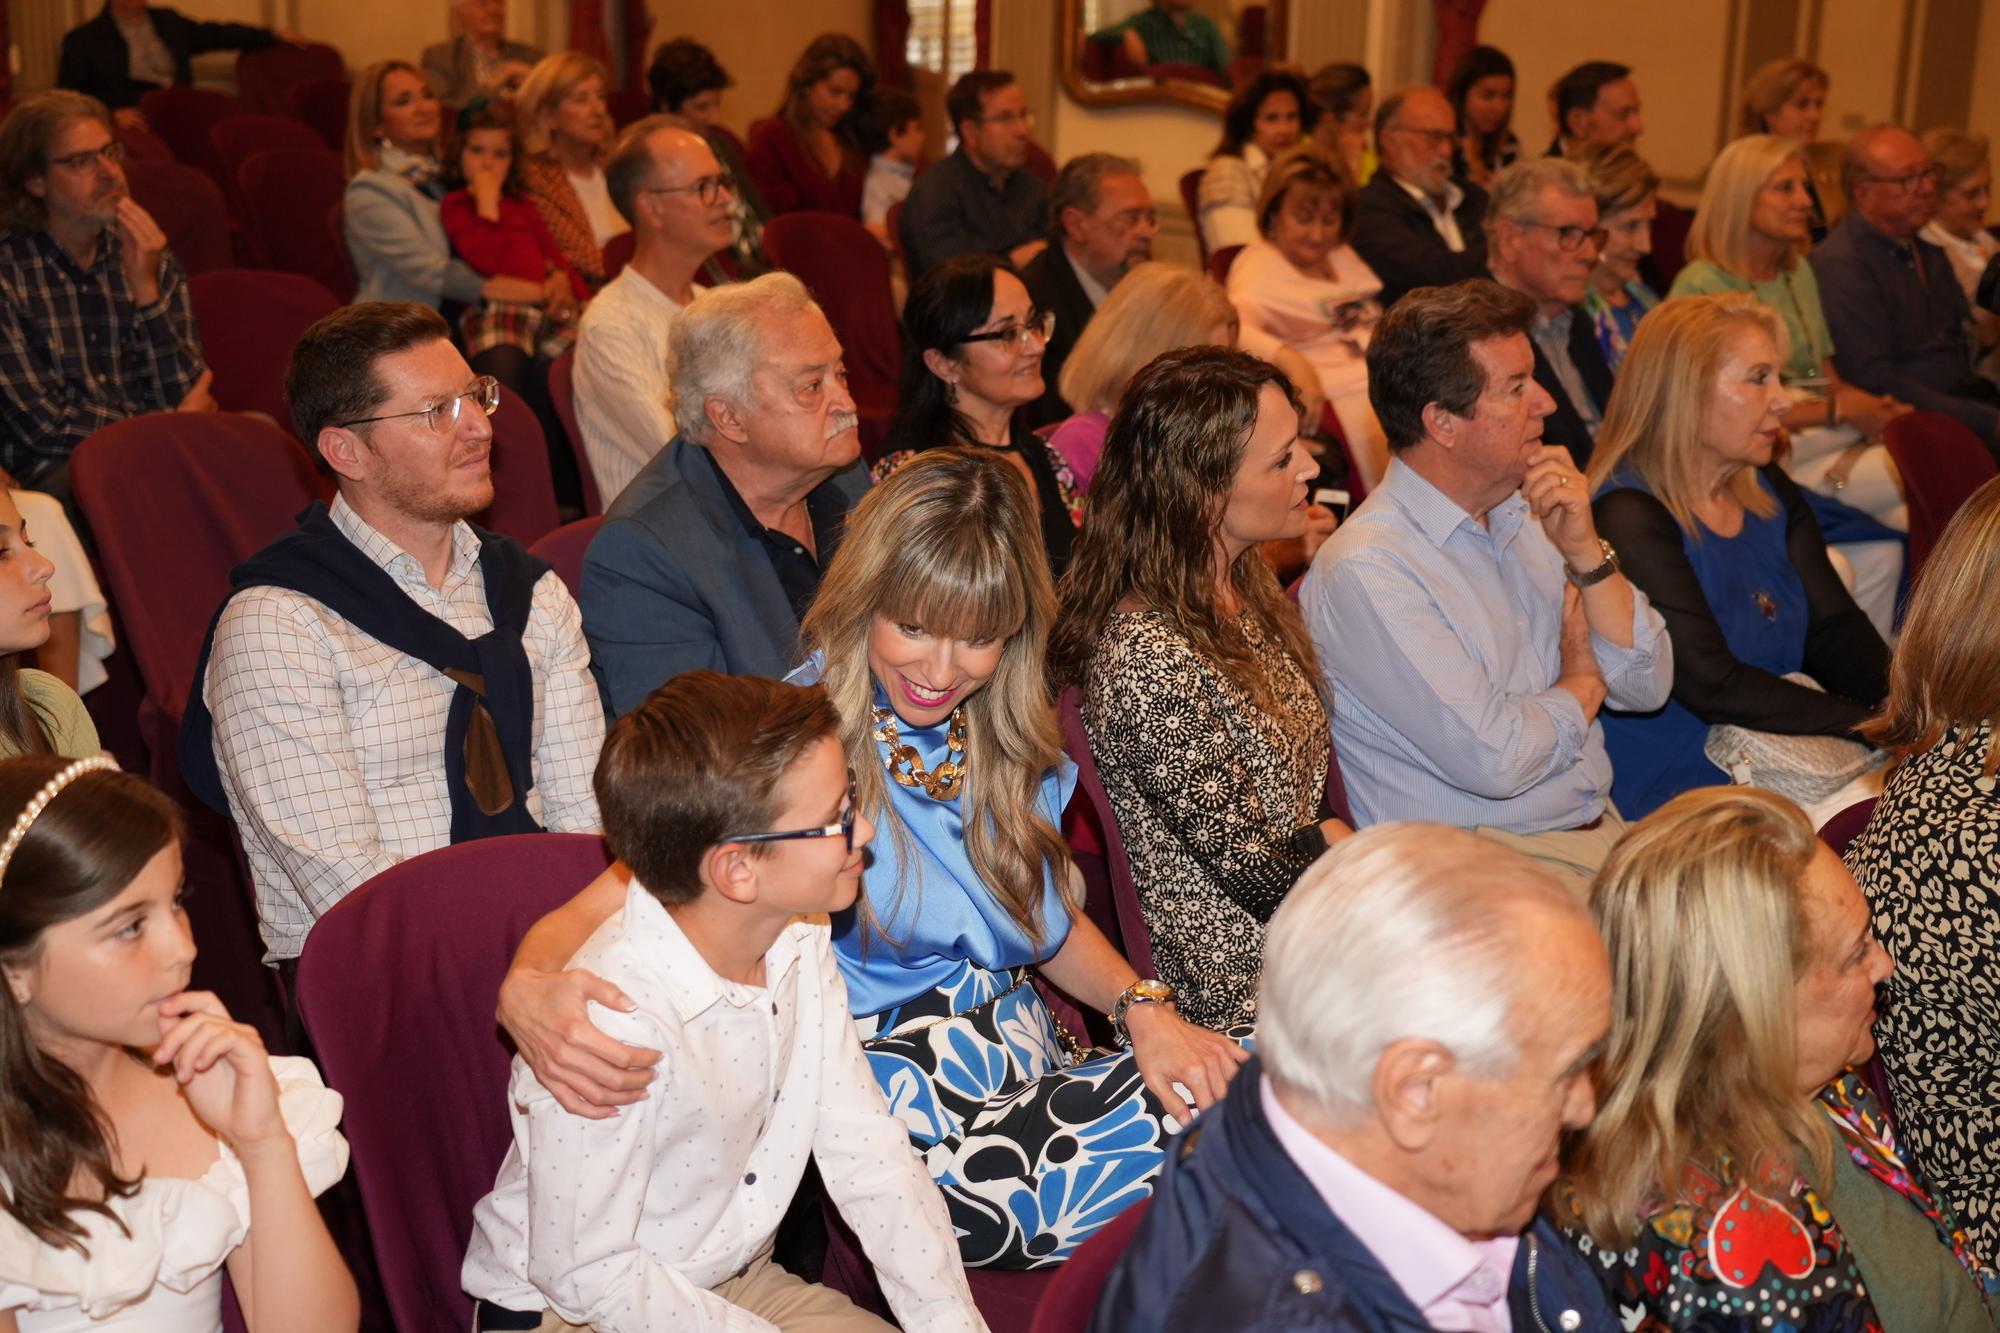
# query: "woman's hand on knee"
1172,1050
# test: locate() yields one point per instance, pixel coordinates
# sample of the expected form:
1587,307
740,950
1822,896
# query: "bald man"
1418,225
1896,312
665,179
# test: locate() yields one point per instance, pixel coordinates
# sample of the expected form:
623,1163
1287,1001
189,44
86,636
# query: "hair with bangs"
1955,154
951,541
1700,908
1775,83
1720,232
1619,177
1946,672
1653,423
1153,309
1156,505
552,79
1404,931
1308,165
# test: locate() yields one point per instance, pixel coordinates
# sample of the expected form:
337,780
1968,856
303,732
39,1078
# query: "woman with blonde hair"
1740,1175
1723,544
1199,681
390,215
565,127
1787,97
1628,199
928,632
1153,309
809,154
1929,860
1958,227
1304,289
1750,234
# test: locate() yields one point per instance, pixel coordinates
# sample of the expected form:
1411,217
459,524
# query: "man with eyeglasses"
1542,240
665,179
981,199
1105,225
1416,224
387,679
1897,315
96,324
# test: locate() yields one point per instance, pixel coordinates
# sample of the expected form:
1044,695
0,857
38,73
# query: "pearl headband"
69,774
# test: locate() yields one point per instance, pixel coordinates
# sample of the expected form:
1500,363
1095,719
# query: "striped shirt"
330,743
77,353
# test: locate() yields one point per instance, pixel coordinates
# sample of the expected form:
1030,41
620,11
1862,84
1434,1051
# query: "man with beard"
388,679
1416,224
95,320
711,556
1105,225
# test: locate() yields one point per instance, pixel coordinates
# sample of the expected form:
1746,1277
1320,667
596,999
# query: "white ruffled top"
166,1275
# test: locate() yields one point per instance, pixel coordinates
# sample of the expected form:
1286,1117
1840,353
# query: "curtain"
892,36
1458,32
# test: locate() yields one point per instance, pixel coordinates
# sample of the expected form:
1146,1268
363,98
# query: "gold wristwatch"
1143,991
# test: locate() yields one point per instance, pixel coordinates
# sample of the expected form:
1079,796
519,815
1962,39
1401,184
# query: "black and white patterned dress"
1929,862
1207,789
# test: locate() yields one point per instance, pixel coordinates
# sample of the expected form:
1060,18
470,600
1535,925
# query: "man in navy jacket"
1430,1010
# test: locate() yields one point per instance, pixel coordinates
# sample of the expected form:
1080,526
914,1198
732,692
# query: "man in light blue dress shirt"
1471,621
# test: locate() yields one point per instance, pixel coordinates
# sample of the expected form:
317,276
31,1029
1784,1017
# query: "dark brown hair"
1312,165
1422,352
1170,458
332,377
698,761
484,113
86,846
827,53
683,68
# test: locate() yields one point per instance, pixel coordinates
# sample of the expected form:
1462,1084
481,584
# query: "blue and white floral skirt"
1033,1148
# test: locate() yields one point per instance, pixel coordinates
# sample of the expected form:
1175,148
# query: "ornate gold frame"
1129,92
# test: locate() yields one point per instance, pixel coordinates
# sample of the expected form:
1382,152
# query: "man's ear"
1441,424
725,419
730,869
1573,121
346,452
38,186
1069,232
1407,1090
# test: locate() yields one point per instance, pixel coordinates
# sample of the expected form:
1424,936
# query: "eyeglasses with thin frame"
844,829
442,417
1023,118
1040,323
1570,239
1910,183
708,189
112,152
1435,138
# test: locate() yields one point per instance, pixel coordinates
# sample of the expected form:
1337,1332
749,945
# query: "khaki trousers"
1573,856
768,1291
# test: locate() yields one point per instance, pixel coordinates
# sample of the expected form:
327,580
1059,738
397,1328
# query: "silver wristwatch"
1592,577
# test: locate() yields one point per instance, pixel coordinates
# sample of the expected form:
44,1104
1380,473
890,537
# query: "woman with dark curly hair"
809,155
1266,118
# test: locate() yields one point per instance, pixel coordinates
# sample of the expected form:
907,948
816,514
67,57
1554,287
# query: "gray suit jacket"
450,70
672,582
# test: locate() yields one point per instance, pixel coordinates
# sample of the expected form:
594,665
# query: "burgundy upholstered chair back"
322,104
184,116
190,209
618,253
564,549
176,501
1067,1304
524,498
249,319
1219,263
1190,183
288,194
1846,826
238,138
1136,943
397,988
265,78
848,272
1942,463
562,393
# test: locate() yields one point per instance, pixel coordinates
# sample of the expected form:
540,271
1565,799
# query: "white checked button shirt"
331,744
625,1224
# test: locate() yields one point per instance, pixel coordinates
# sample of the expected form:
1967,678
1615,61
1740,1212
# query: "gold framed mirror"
1190,52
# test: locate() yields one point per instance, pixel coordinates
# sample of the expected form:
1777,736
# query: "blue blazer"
672,582
1238,1239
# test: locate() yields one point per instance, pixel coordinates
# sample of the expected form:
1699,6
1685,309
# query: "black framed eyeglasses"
843,830
708,189
442,416
113,151
1570,239
1040,323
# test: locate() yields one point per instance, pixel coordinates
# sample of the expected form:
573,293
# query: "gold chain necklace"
907,767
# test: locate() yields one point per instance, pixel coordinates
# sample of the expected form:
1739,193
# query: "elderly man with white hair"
712,554
1430,1010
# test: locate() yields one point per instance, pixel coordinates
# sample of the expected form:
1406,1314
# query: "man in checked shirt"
95,320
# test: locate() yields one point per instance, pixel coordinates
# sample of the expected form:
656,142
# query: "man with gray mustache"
712,554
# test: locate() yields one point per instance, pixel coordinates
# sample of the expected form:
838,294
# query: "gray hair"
1517,190
1403,931
718,341
1080,184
